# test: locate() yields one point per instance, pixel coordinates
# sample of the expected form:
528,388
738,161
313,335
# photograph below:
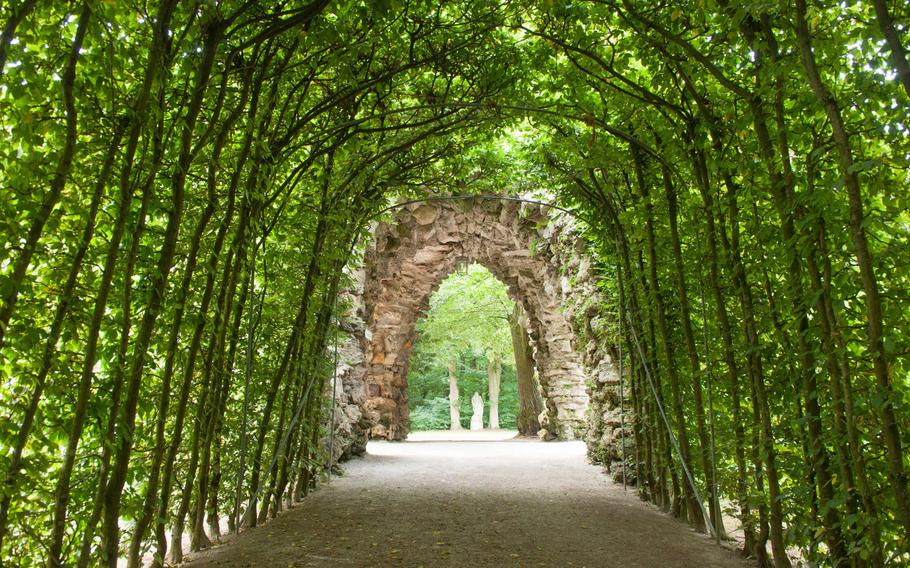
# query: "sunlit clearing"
462,366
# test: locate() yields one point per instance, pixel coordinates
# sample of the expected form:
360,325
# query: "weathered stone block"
424,214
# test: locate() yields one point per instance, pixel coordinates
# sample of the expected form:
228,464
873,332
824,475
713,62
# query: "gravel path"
517,503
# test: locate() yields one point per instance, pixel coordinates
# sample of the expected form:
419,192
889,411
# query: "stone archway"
407,261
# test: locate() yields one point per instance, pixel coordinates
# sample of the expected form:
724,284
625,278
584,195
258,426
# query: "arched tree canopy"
182,185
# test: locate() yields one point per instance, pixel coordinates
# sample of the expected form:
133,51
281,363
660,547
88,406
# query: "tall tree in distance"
454,396
468,317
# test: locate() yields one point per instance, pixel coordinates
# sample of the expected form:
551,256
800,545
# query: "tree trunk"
64,163
301,484
644,434
9,30
454,399
62,488
115,385
882,361
693,511
691,350
762,430
821,294
892,36
494,377
870,509
643,441
150,501
783,192
159,279
50,346
667,482
220,375
272,471
216,469
196,342
530,404
8,304
733,385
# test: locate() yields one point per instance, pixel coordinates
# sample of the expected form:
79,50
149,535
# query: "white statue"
477,417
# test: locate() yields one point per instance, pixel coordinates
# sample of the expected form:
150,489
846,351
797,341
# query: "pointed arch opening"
408,260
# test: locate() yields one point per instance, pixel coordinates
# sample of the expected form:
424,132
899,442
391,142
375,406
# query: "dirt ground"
475,502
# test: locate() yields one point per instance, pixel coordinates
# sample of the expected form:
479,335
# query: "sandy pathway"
472,504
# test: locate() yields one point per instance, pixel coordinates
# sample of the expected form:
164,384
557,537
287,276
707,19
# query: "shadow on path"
515,503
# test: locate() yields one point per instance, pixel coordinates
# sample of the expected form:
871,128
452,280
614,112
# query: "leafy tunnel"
192,192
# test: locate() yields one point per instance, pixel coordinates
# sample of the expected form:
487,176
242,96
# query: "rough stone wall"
585,308
351,427
408,260
543,263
